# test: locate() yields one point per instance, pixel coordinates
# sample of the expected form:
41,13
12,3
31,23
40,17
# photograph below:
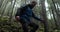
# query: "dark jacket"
26,13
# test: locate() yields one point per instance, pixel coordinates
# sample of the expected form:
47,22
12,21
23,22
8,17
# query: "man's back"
25,13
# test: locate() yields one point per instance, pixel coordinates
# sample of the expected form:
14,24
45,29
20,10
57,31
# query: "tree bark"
44,16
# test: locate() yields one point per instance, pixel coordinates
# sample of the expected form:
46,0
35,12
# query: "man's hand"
17,18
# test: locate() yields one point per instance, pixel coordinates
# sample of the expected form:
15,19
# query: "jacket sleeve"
36,17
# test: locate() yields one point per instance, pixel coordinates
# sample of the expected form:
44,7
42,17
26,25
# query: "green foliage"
13,26
7,26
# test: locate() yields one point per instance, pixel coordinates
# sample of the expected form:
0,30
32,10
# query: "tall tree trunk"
44,16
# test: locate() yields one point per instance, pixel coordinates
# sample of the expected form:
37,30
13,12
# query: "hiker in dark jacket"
24,15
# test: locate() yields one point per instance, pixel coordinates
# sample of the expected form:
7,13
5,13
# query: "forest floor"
14,26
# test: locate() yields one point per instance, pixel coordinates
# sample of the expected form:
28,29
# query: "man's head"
33,3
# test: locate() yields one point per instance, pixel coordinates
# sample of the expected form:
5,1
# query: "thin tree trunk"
13,4
54,18
4,8
57,15
1,1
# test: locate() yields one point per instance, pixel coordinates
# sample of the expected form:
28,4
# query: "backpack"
21,10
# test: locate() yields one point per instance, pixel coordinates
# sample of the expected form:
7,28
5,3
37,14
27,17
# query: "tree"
44,16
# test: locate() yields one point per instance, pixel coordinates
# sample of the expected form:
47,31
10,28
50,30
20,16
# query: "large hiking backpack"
20,10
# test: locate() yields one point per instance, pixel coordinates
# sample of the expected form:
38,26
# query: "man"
24,15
